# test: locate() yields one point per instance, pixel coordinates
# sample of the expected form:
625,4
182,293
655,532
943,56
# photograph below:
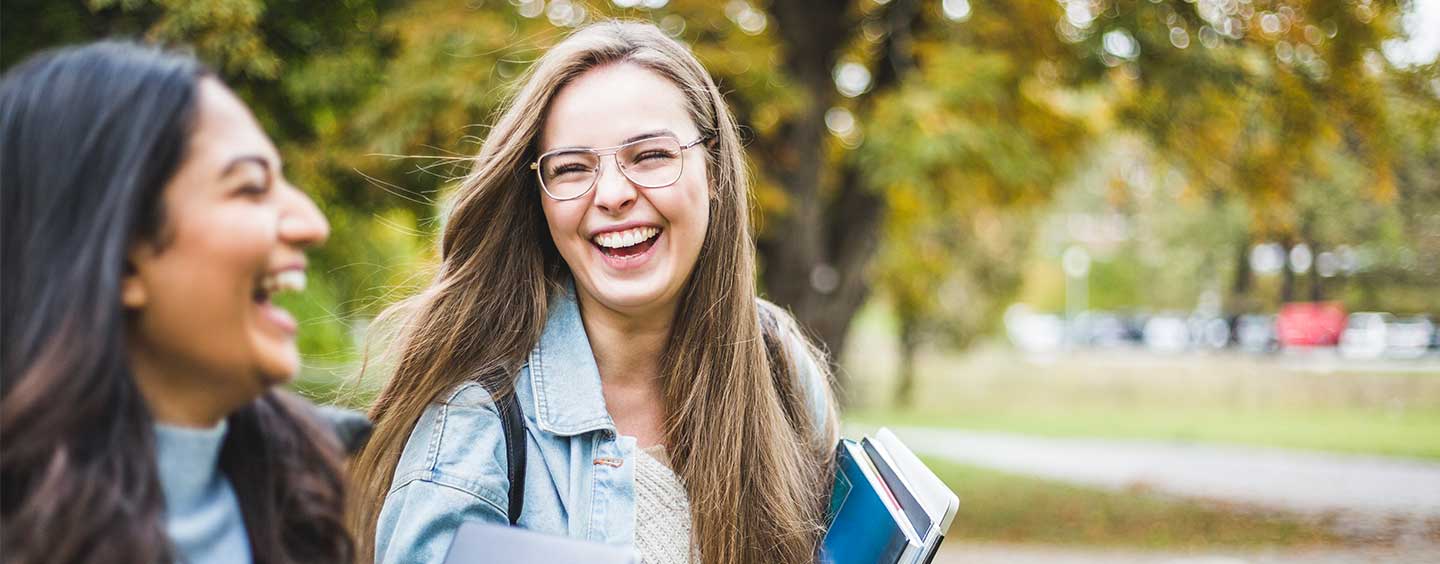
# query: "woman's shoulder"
451,470
808,362
458,440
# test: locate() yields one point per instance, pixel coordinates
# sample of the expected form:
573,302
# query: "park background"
922,166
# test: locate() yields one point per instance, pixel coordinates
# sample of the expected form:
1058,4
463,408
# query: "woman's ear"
133,294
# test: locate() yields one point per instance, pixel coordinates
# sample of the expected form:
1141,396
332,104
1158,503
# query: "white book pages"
934,495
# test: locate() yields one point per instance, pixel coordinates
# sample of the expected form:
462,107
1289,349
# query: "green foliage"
223,30
961,151
968,132
1293,119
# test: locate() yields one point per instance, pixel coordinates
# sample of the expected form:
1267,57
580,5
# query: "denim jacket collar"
563,373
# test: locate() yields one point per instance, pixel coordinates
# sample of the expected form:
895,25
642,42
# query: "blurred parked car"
1364,335
1255,333
1208,333
1167,334
1135,328
1034,332
1310,324
1408,337
1100,330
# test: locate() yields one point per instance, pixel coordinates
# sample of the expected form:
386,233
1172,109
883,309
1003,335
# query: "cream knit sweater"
662,511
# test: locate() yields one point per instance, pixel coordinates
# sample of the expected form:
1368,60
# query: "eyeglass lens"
652,163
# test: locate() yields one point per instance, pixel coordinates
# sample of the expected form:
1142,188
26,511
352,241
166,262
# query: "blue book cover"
863,529
898,486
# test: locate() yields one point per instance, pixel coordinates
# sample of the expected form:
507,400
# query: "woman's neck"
174,396
627,346
627,352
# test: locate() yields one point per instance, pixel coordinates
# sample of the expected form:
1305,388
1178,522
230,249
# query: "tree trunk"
798,270
1316,291
815,254
1287,279
909,344
1244,279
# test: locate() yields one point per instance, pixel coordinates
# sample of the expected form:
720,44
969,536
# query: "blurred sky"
1422,24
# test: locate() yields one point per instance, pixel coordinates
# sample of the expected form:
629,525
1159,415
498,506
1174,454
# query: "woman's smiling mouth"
287,280
627,243
629,248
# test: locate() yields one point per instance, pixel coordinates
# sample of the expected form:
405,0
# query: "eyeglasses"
652,162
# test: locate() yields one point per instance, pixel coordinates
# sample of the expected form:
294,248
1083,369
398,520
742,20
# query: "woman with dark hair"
146,227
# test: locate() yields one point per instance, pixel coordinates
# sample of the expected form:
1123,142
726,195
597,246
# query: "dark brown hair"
89,137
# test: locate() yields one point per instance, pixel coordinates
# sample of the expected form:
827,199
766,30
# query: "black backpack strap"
512,421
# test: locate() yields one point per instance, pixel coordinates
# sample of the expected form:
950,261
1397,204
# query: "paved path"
1365,491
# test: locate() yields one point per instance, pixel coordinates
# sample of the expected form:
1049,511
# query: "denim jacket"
579,476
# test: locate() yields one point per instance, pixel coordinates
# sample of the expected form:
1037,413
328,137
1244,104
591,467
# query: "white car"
1167,334
1035,333
1365,335
1208,333
1408,337
1255,333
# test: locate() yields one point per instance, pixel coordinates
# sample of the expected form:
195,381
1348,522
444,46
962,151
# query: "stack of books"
887,506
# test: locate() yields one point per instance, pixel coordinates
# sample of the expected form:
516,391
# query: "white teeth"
290,281
626,238
287,281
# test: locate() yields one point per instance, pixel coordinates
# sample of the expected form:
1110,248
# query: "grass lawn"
1002,507
1312,401
1414,434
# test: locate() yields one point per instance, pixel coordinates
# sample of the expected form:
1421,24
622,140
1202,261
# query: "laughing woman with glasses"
598,274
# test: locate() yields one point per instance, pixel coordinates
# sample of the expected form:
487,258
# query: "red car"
1310,324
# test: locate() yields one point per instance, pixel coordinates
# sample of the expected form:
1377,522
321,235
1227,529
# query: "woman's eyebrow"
256,160
631,139
656,133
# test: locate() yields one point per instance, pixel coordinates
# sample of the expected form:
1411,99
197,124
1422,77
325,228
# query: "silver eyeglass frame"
600,154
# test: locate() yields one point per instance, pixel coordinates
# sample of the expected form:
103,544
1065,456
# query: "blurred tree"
1253,100
878,128
961,151
1246,97
1283,108
839,172
271,55
1404,250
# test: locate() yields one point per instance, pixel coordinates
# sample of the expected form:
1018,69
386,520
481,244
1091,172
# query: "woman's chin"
629,295
273,333
280,368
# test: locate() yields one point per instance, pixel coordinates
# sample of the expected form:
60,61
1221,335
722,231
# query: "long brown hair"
78,474
753,462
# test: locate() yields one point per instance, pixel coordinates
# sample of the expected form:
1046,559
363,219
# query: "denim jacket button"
612,462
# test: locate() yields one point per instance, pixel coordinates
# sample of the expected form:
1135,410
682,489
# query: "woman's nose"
614,193
301,223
